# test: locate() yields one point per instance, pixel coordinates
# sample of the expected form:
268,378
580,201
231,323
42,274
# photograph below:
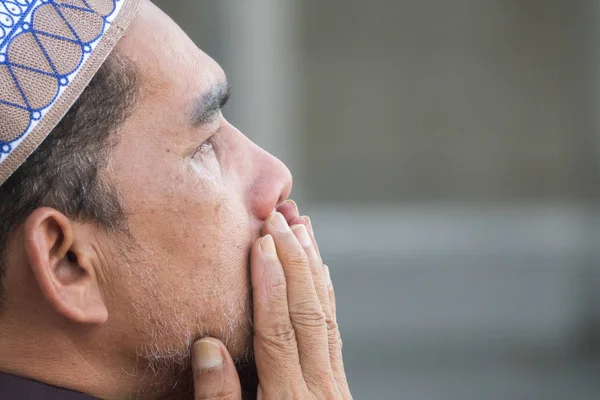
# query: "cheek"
201,247
192,274
195,226
226,241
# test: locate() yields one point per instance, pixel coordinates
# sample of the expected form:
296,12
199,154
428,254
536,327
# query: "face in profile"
196,192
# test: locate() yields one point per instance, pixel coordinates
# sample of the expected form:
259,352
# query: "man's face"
196,191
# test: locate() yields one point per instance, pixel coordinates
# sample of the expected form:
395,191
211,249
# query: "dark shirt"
17,388
14,387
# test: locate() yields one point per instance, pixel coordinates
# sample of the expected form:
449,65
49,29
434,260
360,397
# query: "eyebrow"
208,104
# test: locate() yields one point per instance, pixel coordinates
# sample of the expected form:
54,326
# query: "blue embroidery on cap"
17,18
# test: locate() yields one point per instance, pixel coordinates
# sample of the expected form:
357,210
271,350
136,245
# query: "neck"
60,358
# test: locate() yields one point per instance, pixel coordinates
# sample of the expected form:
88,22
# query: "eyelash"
206,147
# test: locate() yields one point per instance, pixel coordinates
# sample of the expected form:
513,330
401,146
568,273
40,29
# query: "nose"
271,186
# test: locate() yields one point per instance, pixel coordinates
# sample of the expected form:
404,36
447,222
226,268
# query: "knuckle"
276,286
328,312
308,314
335,338
296,258
278,334
318,277
319,282
332,325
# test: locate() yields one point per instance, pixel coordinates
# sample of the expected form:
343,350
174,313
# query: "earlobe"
61,267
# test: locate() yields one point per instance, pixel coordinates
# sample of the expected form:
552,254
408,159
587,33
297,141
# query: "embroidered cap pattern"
49,51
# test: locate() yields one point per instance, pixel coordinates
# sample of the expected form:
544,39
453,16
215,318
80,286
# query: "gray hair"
64,173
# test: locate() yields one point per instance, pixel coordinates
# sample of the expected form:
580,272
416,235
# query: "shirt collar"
19,388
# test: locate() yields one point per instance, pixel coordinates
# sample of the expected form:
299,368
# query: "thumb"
215,376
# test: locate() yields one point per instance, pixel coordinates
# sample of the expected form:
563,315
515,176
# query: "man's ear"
62,268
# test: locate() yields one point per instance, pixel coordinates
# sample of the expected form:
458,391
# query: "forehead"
168,61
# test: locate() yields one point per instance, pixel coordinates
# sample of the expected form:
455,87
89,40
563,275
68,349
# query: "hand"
296,338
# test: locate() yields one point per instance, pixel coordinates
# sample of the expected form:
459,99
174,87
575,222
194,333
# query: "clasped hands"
297,345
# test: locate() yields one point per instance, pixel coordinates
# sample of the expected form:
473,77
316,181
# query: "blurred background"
449,154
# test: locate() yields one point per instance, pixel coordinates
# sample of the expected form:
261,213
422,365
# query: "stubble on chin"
164,360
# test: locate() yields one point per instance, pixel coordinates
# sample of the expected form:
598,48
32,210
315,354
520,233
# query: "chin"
172,328
168,374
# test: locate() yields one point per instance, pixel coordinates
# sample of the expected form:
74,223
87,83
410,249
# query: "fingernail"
268,246
307,219
293,203
327,276
207,355
279,223
302,235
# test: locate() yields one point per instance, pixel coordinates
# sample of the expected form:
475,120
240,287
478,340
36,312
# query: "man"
146,244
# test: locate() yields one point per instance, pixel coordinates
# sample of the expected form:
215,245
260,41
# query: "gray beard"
164,362
172,379
167,373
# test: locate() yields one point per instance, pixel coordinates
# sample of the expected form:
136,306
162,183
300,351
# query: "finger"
330,291
321,286
289,210
275,346
215,376
335,341
306,221
316,268
305,309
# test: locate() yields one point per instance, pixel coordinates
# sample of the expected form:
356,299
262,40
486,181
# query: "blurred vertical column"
595,239
260,54
589,85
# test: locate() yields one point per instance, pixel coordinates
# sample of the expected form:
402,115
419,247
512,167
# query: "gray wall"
461,100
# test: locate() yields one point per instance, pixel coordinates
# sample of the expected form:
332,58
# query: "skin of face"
196,197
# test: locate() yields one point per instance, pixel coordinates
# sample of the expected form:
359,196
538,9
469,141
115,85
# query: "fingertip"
302,235
301,221
327,276
265,267
289,209
308,221
215,375
263,255
208,354
267,246
294,206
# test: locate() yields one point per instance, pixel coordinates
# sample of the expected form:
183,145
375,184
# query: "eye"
206,148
